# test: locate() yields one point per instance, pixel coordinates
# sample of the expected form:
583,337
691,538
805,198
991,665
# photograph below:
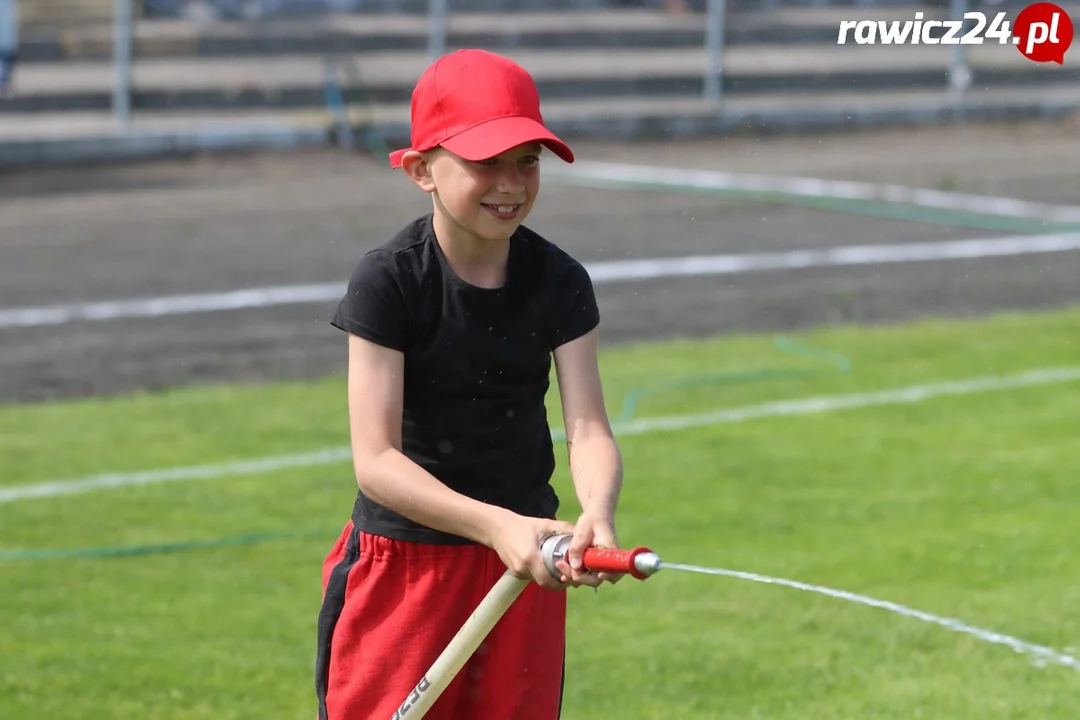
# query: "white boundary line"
843,256
601,273
271,463
652,176
832,403
1042,653
784,408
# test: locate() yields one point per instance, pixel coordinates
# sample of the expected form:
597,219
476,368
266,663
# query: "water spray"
643,563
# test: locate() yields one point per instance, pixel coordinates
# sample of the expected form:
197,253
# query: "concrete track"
216,224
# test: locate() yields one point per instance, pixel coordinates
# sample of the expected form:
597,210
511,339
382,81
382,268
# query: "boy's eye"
489,162
530,159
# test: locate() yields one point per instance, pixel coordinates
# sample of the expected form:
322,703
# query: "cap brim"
494,137
395,157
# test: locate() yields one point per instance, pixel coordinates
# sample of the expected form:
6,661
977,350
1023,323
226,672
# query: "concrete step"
358,33
29,140
373,34
297,82
69,13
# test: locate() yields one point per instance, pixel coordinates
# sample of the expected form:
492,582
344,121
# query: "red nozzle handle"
614,561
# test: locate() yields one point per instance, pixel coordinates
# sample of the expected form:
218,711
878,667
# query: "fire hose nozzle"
639,562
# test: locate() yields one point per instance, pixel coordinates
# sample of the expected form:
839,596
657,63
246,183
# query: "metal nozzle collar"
648,563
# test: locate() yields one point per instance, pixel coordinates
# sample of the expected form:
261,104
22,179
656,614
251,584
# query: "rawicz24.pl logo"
1041,32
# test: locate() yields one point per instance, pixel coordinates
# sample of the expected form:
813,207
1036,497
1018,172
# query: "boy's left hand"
591,530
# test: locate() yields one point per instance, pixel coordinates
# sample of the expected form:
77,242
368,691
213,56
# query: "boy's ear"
417,166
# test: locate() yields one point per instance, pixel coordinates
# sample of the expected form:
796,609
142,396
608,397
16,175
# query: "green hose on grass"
785,345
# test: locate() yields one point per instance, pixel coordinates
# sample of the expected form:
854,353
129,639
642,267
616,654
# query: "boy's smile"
503,212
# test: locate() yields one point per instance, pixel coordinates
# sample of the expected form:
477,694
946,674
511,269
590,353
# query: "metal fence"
252,56
712,14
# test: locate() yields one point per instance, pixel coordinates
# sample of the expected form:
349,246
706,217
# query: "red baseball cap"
477,104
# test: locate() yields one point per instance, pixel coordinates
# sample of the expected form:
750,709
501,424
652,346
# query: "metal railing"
703,56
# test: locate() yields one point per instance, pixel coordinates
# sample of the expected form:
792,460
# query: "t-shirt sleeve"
577,312
374,305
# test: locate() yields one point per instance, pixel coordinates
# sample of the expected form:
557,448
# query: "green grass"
964,507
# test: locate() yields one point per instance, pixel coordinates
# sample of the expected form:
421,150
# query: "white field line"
1041,653
831,403
622,270
601,273
270,463
627,175
785,408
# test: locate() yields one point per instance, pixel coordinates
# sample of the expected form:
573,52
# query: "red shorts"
390,608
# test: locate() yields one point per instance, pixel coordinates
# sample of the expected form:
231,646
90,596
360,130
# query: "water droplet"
445,447
509,413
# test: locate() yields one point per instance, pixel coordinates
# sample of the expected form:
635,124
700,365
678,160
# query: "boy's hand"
517,540
592,530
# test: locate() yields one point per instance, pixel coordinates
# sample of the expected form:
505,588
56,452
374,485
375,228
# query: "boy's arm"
389,478
595,461
383,473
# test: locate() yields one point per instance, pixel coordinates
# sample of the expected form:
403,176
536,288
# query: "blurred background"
186,186
663,68
246,103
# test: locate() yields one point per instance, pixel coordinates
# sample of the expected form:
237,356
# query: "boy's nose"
510,181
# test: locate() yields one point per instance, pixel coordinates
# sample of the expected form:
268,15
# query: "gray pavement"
221,223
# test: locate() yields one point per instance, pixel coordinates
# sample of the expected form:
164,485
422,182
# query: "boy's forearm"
596,468
397,483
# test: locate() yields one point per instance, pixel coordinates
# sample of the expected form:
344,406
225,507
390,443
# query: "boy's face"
490,198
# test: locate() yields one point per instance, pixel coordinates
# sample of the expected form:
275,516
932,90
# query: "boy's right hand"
517,539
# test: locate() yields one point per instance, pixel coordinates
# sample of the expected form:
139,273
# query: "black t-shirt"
477,366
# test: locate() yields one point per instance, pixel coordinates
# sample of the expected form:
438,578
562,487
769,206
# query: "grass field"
963,506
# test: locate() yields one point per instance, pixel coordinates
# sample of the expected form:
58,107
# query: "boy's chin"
497,230
496,238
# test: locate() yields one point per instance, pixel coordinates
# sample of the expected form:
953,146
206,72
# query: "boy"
452,325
